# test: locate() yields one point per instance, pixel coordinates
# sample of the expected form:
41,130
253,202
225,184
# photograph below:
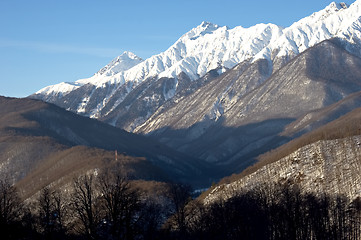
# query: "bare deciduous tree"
122,205
85,205
180,196
10,203
51,214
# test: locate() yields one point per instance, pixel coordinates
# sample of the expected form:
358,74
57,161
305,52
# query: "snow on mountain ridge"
121,63
210,46
311,30
220,48
59,89
162,63
204,48
201,30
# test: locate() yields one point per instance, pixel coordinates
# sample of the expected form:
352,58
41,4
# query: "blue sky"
48,42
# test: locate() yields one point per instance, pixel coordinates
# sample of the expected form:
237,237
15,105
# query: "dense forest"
111,207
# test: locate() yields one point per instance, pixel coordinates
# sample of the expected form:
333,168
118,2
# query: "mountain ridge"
204,48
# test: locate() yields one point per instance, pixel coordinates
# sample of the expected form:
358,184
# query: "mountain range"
203,49
220,97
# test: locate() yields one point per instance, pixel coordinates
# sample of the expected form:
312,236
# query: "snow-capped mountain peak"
201,30
332,21
331,9
336,6
210,46
121,63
